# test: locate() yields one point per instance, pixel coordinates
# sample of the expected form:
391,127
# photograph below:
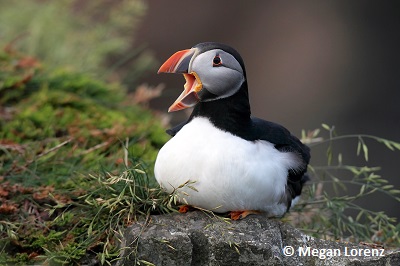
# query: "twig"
49,151
25,166
126,152
96,147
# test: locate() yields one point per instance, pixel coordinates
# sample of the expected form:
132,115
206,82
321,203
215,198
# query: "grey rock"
199,238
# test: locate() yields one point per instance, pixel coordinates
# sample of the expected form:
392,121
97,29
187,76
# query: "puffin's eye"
217,61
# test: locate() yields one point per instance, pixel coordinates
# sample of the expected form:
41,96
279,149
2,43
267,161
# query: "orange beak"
179,63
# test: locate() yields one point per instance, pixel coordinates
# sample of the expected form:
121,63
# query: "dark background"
307,62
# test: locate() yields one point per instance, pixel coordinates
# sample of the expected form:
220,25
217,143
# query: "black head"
206,46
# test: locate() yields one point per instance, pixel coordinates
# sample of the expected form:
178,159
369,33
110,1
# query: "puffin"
222,158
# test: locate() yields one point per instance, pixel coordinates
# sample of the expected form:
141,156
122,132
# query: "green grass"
76,158
85,216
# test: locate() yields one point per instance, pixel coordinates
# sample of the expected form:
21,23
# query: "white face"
219,72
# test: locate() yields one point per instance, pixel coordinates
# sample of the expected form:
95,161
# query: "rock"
199,238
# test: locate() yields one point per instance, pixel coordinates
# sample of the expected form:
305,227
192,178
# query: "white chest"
227,172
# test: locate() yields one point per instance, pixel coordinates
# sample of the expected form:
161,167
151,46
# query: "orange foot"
237,215
184,208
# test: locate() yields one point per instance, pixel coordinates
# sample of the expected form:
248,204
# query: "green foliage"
63,135
331,209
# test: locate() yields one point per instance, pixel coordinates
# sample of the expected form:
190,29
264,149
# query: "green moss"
66,103
64,127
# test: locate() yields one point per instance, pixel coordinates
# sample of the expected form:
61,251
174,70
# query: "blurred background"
307,62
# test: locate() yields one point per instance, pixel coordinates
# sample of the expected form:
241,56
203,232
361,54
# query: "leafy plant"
331,207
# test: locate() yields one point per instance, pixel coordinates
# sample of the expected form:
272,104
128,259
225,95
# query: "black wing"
281,137
284,141
173,131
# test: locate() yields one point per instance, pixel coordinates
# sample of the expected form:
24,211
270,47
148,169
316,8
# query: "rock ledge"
197,238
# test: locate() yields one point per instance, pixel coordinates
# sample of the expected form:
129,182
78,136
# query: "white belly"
227,173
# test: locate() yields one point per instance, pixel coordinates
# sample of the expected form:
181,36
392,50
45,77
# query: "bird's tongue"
188,97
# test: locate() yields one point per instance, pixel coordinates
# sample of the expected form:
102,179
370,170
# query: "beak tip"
172,108
177,63
162,69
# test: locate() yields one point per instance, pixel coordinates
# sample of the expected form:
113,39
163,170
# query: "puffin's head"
212,71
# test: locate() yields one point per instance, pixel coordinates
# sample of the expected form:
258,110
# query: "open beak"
179,63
